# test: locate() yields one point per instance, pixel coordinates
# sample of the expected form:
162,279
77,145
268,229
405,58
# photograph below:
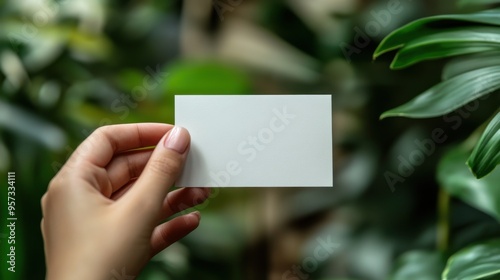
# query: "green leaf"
206,77
89,46
454,176
474,262
450,42
486,155
410,56
418,265
449,95
128,79
432,25
463,64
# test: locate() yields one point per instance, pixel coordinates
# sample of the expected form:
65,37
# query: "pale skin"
103,212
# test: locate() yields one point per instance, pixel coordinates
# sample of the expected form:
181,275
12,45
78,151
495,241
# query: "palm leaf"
450,94
478,261
446,43
432,25
486,155
467,63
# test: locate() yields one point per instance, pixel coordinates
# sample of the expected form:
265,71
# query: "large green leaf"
418,265
475,262
486,155
450,95
432,25
467,63
450,42
454,176
409,56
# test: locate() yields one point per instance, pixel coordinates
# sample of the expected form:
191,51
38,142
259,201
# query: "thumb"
162,169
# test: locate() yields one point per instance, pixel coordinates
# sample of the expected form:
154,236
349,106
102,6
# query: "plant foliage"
446,36
473,42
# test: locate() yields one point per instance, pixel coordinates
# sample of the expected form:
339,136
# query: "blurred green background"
70,66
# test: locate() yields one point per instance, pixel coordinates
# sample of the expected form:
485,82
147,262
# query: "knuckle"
101,130
56,188
42,227
98,133
101,135
43,201
53,190
53,184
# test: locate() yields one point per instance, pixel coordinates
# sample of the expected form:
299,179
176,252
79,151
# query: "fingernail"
177,140
197,214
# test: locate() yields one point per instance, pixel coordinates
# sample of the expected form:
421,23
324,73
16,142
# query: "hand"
103,211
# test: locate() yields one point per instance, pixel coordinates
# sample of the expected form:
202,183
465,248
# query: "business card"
257,140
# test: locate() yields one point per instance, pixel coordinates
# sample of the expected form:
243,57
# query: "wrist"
78,271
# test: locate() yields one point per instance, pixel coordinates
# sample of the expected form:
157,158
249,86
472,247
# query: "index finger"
100,147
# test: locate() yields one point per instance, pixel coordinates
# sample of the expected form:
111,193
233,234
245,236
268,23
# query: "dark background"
70,66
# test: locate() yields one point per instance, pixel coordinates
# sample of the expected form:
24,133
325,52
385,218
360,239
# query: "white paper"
257,140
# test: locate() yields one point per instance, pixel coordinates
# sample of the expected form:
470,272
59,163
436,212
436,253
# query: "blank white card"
257,140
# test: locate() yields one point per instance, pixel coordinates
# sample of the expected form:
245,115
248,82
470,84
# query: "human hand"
102,212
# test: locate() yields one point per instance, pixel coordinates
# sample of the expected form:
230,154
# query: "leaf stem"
443,226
